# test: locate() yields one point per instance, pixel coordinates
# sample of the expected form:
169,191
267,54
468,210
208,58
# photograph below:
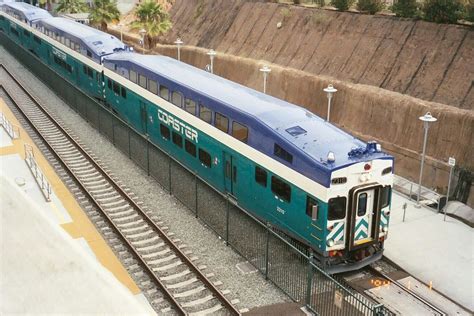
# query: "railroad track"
430,308
171,281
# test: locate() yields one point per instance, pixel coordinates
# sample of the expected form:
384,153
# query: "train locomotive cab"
358,213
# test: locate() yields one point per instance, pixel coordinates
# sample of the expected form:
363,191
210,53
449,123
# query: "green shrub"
371,6
442,11
405,8
470,11
342,5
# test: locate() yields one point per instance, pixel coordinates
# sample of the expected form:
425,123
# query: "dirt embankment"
358,54
433,62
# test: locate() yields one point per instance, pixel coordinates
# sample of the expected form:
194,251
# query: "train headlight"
331,157
330,242
385,229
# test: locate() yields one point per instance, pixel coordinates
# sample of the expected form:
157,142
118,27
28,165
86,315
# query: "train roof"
30,12
99,42
308,132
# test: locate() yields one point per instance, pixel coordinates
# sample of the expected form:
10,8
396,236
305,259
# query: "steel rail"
217,293
406,290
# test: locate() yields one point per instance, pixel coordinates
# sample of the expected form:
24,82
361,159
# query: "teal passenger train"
283,164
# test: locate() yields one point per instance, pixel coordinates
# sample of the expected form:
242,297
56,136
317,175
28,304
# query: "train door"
364,214
230,173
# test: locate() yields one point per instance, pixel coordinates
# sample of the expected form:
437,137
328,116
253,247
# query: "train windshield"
337,208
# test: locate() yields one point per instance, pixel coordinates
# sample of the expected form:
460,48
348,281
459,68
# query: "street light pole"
212,53
426,119
330,90
178,43
265,70
121,31
451,163
143,33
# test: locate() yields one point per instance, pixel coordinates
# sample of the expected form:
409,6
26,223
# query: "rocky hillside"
433,62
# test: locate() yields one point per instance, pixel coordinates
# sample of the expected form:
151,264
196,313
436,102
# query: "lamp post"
451,163
330,90
426,119
212,53
265,70
178,43
143,33
121,31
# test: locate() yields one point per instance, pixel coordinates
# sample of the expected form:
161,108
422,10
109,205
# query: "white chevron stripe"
361,228
383,219
335,229
339,236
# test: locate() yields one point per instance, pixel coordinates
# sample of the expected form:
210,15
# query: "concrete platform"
437,252
53,260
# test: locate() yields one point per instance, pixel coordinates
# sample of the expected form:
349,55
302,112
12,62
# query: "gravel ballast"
251,289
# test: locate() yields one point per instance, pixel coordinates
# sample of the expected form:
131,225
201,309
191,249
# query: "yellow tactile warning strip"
80,226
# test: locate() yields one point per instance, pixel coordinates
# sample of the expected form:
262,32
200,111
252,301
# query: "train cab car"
296,171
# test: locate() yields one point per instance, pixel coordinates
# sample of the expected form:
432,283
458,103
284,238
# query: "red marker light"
367,167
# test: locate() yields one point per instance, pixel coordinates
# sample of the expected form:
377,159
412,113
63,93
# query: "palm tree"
153,19
71,6
104,12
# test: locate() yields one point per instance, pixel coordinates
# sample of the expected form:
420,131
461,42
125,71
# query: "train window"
15,32
178,140
190,106
142,81
362,204
77,47
310,203
205,158
124,92
190,148
222,122
152,86
26,33
164,92
337,208
84,68
133,76
68,42
37,39
261,176
240,131
109,84
90,72
116,87
281,189
165,132
283,154
385,196
205,114
89,54
176,98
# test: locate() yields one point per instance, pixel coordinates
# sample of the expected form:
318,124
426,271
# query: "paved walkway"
437,252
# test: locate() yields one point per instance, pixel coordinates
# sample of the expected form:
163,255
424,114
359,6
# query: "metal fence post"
267,252
227,221
196,195
169,175
310,278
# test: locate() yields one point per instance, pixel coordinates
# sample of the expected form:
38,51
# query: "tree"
405,8
104,12
443,11
71,6
371,6
153,19
342,5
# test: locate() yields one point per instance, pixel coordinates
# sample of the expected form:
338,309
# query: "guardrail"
41,180
12,130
